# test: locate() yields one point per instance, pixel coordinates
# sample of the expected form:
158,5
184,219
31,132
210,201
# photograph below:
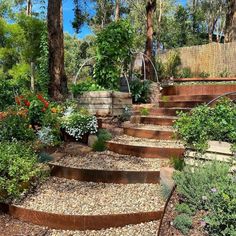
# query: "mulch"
167,228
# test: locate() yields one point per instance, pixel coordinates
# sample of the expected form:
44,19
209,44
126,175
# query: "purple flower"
213,190
202,223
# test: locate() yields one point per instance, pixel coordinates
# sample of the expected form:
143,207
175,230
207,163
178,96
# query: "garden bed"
167,228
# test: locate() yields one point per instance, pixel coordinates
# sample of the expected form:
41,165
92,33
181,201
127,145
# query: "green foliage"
144,111
183,222
204,74
126,114
6,97
76,123
114,44
224,74
16,126
18,168
185,73
100,144
85,86
44,157
140,90
170,67
208,123
210,188
177,163
184,208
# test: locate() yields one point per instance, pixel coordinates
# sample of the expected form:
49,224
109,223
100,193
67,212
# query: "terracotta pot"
68,138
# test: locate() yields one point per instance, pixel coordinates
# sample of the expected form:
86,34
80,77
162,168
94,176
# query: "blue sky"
69,15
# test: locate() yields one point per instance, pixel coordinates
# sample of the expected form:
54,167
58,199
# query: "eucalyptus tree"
58,80
230,27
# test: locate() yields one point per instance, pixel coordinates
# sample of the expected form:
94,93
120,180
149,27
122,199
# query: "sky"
68,15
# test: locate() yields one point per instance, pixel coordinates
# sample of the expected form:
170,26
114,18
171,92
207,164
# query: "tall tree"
58,79
230,27
117,10
150,9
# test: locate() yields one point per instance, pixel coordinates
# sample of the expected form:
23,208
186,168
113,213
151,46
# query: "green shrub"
177,163
170,67
100,144
126,114
114,44
183,222
184,208
210,188
207,123
140,90
204,74
16,126
144,111
76,124
18,169
185,73
85,86
225,73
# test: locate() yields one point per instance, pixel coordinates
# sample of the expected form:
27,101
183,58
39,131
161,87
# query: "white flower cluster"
45,135
76,124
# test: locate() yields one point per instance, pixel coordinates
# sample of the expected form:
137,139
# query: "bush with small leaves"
183,222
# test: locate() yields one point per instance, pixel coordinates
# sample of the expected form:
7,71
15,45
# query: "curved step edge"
105,176
79,222
145,152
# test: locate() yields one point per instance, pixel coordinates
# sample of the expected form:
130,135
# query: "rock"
91,140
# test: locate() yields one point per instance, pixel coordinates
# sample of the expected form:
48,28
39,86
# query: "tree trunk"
117,10
230,26
58,80
150,9
29,8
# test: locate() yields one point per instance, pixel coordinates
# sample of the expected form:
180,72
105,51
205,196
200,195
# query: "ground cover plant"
211,189
208,123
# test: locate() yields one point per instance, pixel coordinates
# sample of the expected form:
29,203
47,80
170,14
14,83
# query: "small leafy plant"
18,169
140,90
144,111
183,222
204,74
100,144
86,86
177,163
185,73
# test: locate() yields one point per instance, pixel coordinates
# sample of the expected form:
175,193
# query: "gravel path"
85,198
144,229
111,161
152,127
125,139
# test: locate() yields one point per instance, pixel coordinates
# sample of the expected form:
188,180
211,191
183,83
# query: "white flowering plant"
76,123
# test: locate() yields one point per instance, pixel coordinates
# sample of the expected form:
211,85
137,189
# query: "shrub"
207,123
85,86
184,208
225,73
76,124
210,188
183,222
18,169
185,73
100,144
177,163
204,74
140,90
169,68
114,44
144,111
16,126
126,114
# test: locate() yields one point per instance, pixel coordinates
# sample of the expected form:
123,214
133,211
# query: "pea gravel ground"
85,198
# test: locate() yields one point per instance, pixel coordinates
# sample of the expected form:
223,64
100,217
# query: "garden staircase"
146,137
